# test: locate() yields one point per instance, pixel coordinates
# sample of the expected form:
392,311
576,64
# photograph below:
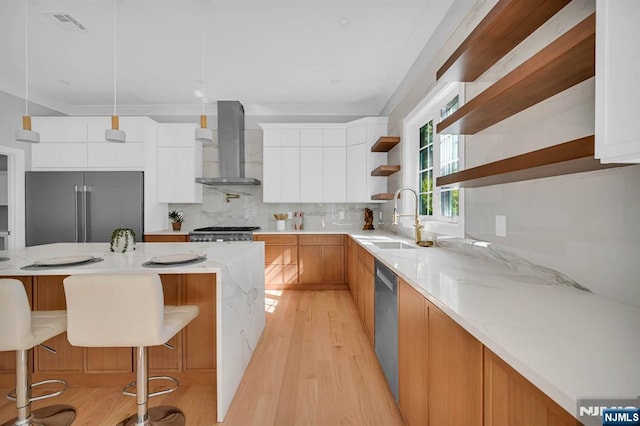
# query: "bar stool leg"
23,387
55,415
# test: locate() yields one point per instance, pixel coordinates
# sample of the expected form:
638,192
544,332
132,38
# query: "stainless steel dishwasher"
386,324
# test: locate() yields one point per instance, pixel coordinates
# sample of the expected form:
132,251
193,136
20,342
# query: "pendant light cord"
26,58
115,57
202,53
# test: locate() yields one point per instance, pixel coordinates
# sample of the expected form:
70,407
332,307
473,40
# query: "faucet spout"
417,223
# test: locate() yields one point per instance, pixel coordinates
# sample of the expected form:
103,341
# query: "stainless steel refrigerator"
82,206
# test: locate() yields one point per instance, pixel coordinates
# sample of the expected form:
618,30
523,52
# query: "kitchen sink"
388,245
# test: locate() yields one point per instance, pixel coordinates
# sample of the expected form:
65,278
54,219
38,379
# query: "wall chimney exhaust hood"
230,147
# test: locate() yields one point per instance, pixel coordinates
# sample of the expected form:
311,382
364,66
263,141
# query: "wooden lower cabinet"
366,295
166,238
454,359
510,399
192,359
304,261
352,268
412,354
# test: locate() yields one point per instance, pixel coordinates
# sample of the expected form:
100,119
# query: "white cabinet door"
335,137
183,135
271,137
617,130
356,134
290,137
115,155
290,174
312,137
311,175
335,174
272,174
177,171
60,129
51,155
357,173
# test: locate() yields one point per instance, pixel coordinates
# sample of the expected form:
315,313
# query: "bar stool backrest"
114,310
15,316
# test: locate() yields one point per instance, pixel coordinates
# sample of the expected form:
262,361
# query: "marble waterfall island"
215,348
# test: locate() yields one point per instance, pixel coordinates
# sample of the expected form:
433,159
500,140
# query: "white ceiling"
278,57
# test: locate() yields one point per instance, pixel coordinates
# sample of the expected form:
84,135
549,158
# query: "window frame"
426,110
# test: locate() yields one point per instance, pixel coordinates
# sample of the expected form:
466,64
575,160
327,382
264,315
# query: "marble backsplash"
249,210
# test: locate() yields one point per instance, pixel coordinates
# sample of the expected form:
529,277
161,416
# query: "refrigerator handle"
76,189
85,189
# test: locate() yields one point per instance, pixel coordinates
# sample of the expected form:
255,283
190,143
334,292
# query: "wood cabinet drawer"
365,257
281,255
281,240
166,238
321,240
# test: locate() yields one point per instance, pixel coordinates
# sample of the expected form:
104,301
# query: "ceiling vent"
65,21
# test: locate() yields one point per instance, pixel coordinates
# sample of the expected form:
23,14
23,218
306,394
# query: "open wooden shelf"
570,157
385,170
383,196
504,27
567,61
385,143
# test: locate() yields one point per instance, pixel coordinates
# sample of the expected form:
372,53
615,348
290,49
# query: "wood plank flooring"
314,365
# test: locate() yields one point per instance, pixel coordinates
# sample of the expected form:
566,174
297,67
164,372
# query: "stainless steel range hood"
230,147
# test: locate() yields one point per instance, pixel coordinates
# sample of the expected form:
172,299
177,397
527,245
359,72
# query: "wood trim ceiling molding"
569,60
504,27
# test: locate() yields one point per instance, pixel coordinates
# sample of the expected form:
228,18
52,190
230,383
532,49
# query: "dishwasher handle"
382,277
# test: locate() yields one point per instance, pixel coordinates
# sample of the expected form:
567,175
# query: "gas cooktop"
227,229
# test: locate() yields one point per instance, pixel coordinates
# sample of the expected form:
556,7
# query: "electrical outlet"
341,214
501,225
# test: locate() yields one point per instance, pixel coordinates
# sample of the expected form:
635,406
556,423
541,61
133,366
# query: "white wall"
583,225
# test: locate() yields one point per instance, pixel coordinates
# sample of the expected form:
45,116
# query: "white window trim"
418,117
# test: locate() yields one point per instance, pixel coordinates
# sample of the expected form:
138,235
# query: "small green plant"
122,235
176,217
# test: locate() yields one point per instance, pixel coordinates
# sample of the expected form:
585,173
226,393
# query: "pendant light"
26,134
203,134
114,134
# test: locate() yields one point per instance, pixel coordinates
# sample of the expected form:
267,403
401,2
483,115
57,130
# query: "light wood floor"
314,366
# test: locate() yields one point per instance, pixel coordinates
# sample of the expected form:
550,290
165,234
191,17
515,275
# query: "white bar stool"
127,310
21,330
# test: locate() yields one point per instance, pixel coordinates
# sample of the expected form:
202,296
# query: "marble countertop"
566,340
218,255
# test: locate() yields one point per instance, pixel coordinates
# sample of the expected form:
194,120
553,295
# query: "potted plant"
176,217
123,240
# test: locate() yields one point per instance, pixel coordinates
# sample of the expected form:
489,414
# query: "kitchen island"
214,349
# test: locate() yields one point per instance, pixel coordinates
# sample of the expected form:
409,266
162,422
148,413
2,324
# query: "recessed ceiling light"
344,21
198,93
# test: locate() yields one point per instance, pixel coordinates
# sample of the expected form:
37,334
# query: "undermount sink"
393,245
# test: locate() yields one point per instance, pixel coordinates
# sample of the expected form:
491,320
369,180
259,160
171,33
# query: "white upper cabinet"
78,143
312,137
617,129
335,137
61,129
179,164
315,163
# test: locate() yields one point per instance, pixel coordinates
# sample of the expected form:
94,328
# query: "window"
434,155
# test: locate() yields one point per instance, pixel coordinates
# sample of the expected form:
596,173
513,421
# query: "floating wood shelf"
564,63
385,143
383,196
385,170
570,157
504,27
